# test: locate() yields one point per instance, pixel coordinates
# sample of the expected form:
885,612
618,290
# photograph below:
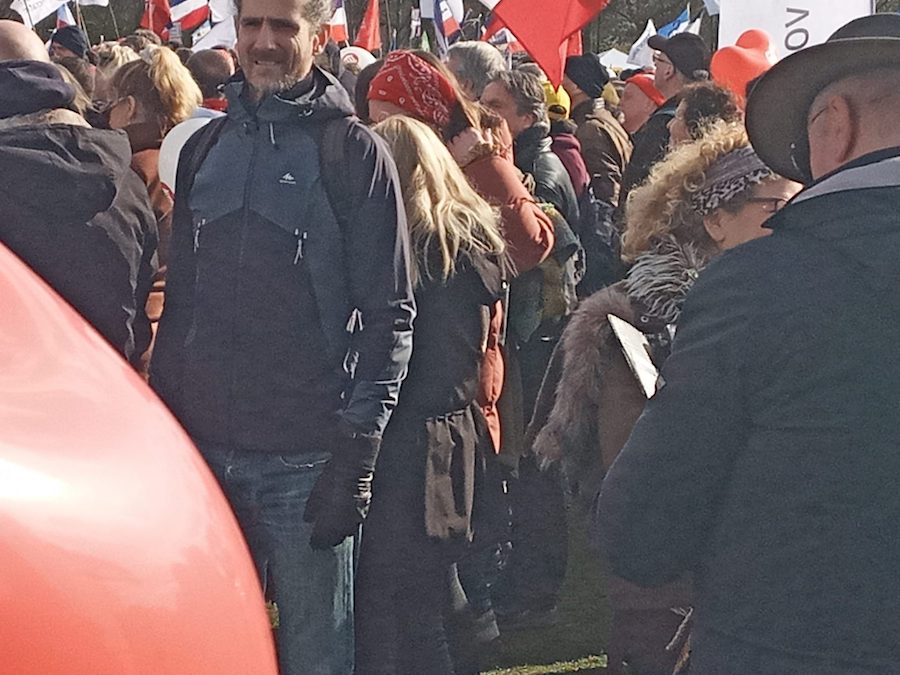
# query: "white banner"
793,24
99,3
35,10
456,7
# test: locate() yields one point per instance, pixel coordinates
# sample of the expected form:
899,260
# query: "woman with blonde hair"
705,197
149,96
422,499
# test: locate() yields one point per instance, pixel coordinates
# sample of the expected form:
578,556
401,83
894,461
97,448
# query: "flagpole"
28,12
115,23
79,19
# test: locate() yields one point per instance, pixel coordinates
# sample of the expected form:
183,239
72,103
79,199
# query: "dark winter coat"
71,208
432,441
605,146
768,461
268,267
651,143
534,157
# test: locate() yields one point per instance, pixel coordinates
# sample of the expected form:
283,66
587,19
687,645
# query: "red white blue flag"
189,13
338,23
64,16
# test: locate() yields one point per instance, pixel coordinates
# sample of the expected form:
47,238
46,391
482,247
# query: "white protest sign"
32,11
793,24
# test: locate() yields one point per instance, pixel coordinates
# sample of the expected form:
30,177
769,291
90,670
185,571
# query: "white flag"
220,10
712,7
792,25
640,53
456,8
694,26
35,10
221,35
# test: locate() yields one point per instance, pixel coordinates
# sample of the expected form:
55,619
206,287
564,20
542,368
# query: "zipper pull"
298,256
200,224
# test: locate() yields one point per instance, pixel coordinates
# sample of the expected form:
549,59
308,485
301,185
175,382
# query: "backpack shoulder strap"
332,162
194,153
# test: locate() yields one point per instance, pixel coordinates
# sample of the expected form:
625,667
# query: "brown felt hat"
779,104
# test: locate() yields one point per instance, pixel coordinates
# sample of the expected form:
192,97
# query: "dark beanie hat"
30,86
588,73
687,52
73,39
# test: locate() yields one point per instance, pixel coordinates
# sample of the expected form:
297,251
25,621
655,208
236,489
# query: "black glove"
339,500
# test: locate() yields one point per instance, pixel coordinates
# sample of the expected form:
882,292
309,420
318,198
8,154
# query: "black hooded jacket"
271,259
72,209
534,156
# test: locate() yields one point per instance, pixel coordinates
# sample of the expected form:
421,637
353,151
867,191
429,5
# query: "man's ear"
844,132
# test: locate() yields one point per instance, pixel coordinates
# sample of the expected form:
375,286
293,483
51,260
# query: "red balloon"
119,553
733,67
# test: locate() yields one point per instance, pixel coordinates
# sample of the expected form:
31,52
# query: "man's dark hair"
706,102
210,69
361,93
316,12
526,91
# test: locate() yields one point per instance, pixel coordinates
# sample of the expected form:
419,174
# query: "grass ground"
575,644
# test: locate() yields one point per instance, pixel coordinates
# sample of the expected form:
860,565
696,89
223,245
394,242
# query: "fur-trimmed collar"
660,279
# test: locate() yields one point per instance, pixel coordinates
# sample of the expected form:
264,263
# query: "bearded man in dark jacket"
767,462
69,205
289,230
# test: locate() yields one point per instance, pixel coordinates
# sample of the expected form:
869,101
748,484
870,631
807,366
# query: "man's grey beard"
284,84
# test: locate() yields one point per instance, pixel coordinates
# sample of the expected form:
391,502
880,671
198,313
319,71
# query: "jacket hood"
325,100
854,211
60,171
29,86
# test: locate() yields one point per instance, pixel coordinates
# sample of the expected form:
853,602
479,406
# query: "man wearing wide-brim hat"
768,462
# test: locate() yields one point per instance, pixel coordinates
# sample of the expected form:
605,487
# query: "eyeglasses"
769,204
659,58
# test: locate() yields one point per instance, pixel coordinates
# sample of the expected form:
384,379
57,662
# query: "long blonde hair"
164,89
661,207
446,216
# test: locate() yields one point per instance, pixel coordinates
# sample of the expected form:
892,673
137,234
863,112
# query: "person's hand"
340,499
467,145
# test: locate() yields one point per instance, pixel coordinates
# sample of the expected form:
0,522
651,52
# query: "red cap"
412,84
644,82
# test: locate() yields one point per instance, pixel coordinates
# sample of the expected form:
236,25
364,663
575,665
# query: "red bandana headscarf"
413,84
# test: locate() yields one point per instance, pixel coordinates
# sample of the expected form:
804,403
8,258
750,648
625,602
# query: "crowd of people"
407,313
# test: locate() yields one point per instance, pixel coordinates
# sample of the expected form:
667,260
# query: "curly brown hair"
705,103
661,207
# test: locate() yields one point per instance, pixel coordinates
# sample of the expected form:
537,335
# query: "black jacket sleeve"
377,257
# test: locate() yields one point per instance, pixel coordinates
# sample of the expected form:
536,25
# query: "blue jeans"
312,589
